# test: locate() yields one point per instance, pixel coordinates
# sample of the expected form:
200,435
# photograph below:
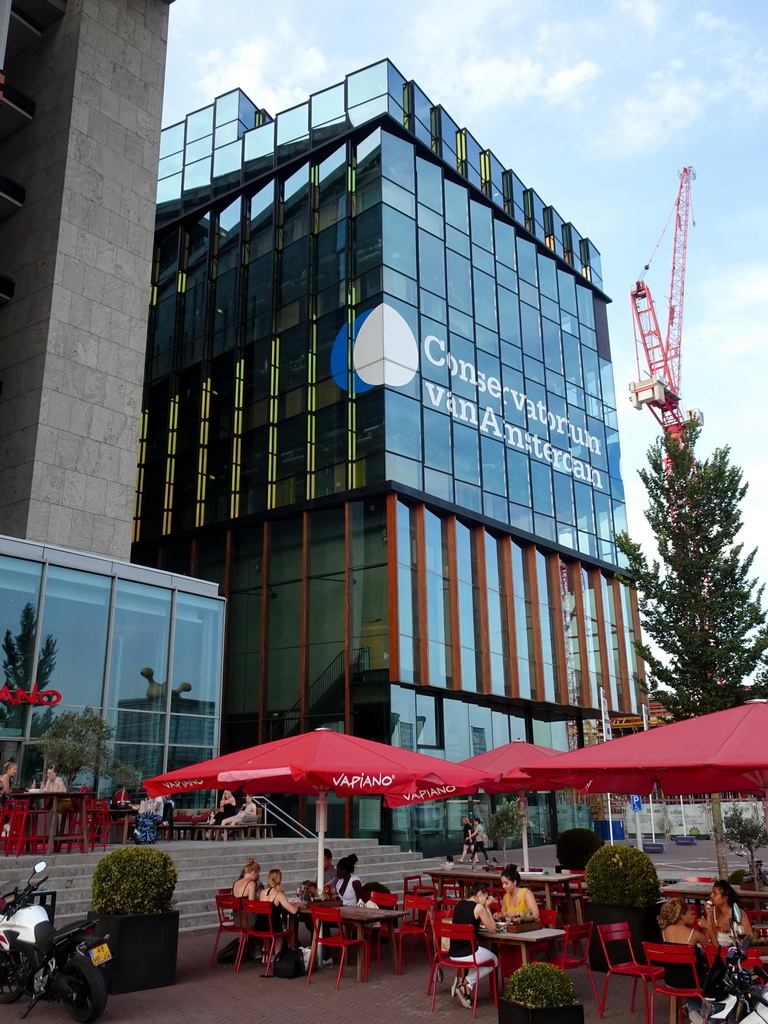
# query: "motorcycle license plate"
100,954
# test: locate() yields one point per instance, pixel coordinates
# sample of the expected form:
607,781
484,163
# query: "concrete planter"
144,948
514,1013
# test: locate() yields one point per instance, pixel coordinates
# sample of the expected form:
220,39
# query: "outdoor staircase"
203,867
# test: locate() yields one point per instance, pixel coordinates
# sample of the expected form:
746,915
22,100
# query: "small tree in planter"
623,886
575,846
540,993
747,832
506,823
132,896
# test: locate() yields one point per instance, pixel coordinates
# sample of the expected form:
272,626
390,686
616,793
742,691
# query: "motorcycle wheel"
10,988
90,990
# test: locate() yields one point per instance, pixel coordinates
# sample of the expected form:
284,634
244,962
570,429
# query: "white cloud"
647,13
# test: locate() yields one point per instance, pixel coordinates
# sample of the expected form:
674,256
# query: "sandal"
464,995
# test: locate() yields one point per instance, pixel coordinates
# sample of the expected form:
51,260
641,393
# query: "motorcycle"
57,965
732,993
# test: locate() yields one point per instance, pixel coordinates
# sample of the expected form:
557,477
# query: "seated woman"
249,812
227,808
473,910
248,886
281,905
349,888
678,924
517,900
719,912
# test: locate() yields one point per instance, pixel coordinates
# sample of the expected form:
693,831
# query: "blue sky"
596,106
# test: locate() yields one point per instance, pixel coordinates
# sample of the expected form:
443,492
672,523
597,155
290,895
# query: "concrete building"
80,107
379,410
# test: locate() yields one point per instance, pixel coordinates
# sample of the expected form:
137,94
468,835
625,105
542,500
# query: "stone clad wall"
72,341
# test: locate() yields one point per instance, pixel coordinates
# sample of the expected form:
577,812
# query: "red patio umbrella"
723,751
322,761
504,764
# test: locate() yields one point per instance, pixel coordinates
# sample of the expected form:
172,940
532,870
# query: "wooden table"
360,917
124,816
549,883
699,891
512,947
54,799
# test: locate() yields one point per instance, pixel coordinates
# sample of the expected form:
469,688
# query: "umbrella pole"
321,826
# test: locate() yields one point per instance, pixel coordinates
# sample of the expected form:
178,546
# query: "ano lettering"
33,696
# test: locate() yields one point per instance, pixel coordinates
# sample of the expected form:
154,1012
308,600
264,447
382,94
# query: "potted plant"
540,993
623,886
575,846
747,833
132,896
506,823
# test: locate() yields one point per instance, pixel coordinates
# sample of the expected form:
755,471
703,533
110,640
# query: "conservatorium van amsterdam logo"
385,351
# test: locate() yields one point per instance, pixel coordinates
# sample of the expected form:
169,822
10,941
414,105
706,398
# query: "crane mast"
660,389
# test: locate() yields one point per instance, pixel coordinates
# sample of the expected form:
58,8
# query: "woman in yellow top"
516,899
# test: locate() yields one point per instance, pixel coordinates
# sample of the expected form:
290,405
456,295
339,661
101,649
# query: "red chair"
671,954
628,966
547,919
451,894
227,908
98,824
416,923
445,933
575,934
27,828
577,897
263,927
327,916
385,900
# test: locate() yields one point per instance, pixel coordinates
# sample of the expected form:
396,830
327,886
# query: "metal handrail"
284,818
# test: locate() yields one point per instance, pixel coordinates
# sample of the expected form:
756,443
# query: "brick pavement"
216,994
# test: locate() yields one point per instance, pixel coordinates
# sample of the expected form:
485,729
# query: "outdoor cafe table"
512,947
360,917
549,883
699,891
50,802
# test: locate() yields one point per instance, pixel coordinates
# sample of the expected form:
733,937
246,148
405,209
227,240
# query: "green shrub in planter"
694,831
133,880
575,846
736,877
622,875
377,887
539,985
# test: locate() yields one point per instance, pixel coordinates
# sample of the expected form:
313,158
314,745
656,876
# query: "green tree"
506,823
79,741
746,831
699,607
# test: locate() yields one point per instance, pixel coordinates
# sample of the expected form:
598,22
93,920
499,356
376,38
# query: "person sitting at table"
473,910
349,887
516,899
678,924
329,871
6,780
281,905
719,911
248,886
248,813
53,782
226,809
468,848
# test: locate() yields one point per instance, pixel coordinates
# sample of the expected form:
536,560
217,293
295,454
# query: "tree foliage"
746,831
698,604
78,741
506,823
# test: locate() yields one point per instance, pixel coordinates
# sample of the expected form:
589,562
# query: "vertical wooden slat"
421,590
558,627
506,575
393,604
578,595
530,569
454,641
265,539
627,683
597,585
477,540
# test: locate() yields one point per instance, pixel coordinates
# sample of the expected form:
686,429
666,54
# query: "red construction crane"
660,390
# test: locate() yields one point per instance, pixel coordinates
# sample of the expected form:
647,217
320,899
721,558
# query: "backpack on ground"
289,963
145,829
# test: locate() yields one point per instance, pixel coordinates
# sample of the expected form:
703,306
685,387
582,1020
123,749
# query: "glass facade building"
140,646
379,411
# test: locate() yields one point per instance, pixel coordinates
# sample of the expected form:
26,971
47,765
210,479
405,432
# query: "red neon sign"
33,696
